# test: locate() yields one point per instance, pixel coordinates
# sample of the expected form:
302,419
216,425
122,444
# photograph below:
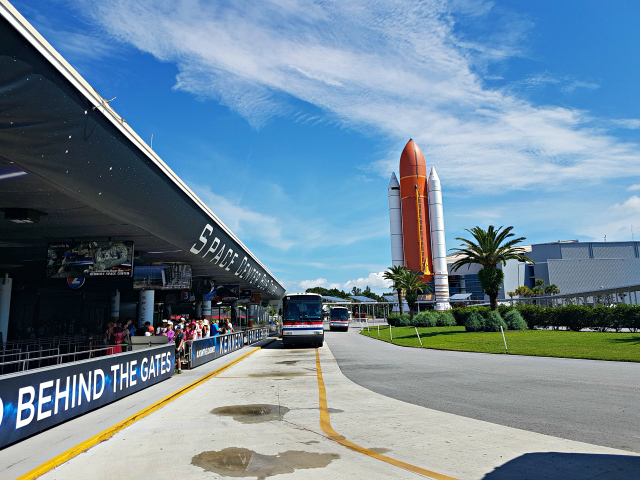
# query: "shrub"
493,322
402,321
533,315
474,322
460,314
574,317
445,319
425,319
514,320
393,318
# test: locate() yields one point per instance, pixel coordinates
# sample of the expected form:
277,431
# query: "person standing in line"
214,329
179,341
205,329
170,331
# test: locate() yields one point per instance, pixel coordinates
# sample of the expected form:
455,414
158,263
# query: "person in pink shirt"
170,331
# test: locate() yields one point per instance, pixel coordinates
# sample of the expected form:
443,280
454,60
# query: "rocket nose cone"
412,161
393,182
433,174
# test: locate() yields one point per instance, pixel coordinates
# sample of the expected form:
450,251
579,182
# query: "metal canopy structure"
361,299
460,297
330,299
68,156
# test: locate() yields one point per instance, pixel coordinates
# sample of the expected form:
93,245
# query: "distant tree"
511,294
537,291
539,282
523,291
395,275
356,291
413,283
551,289
489,248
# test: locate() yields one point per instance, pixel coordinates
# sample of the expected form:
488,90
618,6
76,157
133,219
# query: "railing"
22,364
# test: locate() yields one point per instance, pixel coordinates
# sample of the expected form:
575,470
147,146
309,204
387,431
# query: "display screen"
162,277
89,259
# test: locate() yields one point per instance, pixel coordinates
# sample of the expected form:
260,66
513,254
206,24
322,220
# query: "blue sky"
288,116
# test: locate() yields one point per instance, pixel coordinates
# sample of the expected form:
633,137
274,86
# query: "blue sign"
38,399
209,348
75,283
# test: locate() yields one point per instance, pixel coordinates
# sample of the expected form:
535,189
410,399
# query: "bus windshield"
299,309
340,313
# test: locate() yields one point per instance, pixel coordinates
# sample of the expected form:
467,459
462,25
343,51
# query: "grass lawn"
542,343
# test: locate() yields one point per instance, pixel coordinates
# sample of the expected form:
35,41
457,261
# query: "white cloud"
630,123
634,187
318,282
283,229
616,221
395,66
375,280
245,223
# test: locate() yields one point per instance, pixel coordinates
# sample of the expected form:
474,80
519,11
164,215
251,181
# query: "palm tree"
395,274
489,249
412,283
551,289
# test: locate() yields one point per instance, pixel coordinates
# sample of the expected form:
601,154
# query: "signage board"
38,399
162,277
89,259
206,349
256,334
227,293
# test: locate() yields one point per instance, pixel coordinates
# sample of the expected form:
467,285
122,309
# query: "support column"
114,312
145,307
206,309
198,309
5,305
250,313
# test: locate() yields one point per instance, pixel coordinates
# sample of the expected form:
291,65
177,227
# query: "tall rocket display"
417,240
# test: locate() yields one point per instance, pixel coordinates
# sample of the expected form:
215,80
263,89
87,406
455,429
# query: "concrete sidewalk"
22,457
260,418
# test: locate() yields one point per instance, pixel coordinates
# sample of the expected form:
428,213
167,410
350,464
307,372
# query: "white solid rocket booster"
395,219
438,247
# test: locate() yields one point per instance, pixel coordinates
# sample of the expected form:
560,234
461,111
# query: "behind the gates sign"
34,400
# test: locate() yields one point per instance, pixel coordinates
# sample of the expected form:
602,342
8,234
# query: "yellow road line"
111,431
325,425
273,376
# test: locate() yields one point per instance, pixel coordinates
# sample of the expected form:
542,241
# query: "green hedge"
429,318
572,317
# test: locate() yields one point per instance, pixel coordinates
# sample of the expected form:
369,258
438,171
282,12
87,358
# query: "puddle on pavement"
310,442
380,450
257,413
287,362
334,410
242,462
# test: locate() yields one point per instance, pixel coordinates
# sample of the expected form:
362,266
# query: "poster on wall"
89,259
162,277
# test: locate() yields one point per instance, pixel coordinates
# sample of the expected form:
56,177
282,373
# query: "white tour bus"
339,318
302,319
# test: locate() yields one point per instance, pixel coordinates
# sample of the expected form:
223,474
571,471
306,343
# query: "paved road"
276,413
585,400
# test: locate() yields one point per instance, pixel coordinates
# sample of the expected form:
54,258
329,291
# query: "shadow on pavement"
568,466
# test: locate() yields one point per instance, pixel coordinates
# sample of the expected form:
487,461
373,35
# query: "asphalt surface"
589,401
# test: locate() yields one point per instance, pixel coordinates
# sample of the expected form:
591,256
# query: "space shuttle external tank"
415,211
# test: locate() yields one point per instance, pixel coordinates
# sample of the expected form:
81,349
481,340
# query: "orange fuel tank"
415,211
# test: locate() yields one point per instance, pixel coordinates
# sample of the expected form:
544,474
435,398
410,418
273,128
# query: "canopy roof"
65,153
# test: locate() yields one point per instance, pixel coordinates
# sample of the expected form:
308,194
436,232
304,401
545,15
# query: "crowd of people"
179,331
